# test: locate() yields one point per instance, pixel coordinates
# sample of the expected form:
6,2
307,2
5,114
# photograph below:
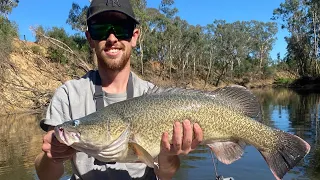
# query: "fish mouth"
67,137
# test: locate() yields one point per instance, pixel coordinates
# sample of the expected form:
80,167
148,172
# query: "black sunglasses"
102,31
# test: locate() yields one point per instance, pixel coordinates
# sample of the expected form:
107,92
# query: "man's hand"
55,150
182,143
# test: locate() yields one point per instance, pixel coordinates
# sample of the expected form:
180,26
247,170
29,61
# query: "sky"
50,13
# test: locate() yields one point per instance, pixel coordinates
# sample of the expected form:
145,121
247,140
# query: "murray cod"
130,130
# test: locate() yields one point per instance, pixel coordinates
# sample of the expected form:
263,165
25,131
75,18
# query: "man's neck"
114,81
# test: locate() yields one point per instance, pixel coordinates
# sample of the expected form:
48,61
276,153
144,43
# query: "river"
294,112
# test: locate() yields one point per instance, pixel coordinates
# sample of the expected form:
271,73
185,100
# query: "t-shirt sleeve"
58,110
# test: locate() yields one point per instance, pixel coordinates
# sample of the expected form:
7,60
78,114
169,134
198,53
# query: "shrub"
57,55
77,42
268,72
36,50
283,81
8,31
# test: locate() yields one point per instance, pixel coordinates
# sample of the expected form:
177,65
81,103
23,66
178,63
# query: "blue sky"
55,13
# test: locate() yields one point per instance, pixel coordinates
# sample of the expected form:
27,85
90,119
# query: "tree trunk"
94,59
261,57
209,70
316,117
170,61
141,54
314,20
231,69
194,70
184,64
163,62
224,70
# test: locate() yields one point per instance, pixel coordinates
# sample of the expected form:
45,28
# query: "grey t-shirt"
74,100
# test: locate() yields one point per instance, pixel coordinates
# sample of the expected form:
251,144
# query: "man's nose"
111,38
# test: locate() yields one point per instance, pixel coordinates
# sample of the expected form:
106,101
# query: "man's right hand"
49,163
55,150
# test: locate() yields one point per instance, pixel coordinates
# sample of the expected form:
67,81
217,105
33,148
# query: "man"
112,33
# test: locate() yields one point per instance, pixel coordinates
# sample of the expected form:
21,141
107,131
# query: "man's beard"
116,64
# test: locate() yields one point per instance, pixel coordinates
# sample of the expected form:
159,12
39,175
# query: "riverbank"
29,83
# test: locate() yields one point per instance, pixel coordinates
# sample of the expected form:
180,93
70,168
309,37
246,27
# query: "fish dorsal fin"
171,90
240,99
235,97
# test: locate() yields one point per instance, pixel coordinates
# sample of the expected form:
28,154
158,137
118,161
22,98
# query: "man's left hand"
182,140
182,143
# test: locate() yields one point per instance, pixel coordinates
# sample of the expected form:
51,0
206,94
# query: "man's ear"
135,36
90,40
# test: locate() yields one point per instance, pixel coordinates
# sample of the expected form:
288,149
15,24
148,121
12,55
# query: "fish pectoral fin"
143,155
228,152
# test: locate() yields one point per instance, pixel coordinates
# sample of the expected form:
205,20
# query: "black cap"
99,6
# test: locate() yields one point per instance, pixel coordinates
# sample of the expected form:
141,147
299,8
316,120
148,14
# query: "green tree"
140,10
167,8
315,37
262,38
210,50
301,19
77,18
217,52
6,6
8,30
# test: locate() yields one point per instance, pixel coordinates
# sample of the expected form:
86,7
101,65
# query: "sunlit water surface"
297,113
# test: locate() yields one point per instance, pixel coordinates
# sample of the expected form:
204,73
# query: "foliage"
6,6
283,81
268,72
39,31
80,43
60,34
36,50
302,19
76,42
8,31
77,17
219,51
57,55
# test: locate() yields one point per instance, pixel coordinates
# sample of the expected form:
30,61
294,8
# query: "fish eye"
75,123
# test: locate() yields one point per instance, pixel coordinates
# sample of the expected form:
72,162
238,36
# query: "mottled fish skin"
225,116
150,116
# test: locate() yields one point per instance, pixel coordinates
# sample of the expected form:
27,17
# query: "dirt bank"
29,83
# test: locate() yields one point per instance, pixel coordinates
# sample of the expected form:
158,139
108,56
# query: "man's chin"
116,66
113,63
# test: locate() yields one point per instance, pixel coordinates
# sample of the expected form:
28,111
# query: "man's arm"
168,159
47,169
49,163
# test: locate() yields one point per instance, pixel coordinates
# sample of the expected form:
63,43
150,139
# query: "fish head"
105,140
81,134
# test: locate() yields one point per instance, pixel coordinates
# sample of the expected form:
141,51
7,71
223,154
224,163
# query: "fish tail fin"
289,150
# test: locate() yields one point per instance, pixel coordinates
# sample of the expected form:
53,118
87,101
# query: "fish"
230,117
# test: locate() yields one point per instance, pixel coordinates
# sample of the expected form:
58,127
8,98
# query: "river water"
294,112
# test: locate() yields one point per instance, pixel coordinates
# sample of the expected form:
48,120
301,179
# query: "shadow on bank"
303,85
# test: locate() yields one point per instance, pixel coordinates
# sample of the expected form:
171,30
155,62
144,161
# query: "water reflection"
19,141
295,112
